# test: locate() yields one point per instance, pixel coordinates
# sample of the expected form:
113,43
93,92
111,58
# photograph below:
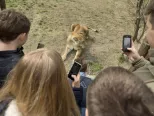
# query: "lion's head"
79,33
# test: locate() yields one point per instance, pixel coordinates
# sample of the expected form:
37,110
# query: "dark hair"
83,63
12,24
118,92
149,8
152,19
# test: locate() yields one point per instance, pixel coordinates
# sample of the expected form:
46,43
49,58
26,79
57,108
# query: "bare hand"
76,82
133,54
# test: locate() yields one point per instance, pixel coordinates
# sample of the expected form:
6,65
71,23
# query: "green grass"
121,59
95,67
12,3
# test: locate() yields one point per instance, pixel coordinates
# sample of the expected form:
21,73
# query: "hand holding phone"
75,69
127,43
129,49
76,82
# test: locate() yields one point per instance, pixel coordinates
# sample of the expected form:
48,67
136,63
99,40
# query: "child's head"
14,26
83,63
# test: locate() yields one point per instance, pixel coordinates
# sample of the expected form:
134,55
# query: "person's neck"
7,46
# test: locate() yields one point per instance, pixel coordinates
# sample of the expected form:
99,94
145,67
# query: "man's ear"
73,26
22,38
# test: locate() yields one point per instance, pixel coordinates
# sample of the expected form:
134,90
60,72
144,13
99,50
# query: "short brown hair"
83,63
12,24
118,92
150,8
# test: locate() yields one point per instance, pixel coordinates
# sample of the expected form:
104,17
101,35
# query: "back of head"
40,86
83,63
118,92
12,24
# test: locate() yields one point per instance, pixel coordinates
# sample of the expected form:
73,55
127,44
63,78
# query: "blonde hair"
39,85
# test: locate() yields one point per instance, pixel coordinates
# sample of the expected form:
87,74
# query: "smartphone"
75,69
127,43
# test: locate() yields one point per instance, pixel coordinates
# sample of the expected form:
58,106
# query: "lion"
76,40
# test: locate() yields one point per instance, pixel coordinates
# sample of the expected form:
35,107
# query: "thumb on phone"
76,82
75,77
130,49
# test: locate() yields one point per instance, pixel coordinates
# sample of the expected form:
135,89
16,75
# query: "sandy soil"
51,21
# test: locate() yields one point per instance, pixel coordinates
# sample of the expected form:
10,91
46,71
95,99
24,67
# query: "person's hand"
87,112
76,82
150,38
133,54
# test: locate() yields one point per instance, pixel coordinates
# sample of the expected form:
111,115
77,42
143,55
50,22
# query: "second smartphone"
75,69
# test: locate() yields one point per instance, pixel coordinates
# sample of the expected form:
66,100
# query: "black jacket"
80,93
8,59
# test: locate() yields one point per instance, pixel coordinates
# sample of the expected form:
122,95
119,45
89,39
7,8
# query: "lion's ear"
73,26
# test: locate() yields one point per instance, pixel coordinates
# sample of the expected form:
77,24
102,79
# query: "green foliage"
95,66
121,59
12,3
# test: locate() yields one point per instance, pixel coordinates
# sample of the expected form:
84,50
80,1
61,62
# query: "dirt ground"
51,21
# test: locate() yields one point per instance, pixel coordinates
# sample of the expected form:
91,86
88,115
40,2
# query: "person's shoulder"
85,78
8,59
12,109
85,81
17,54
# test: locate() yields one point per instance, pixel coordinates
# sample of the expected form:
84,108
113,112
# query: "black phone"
127,43
75,69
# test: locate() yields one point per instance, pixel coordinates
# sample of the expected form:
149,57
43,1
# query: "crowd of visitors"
36,83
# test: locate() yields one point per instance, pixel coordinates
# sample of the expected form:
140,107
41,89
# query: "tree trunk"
138,19
2,4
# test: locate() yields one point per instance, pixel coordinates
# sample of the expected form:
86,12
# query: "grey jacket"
145,69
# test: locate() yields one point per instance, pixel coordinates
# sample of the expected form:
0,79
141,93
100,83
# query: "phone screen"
126,42
74,70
